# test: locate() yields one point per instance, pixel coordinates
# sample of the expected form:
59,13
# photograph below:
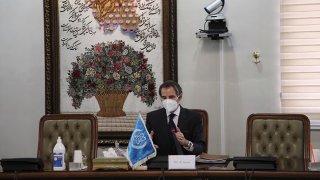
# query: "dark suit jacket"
190,124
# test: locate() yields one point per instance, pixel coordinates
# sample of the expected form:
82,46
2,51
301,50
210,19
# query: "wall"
21,77
247,88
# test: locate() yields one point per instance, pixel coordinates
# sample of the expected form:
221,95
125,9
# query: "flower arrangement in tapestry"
111,13
107,67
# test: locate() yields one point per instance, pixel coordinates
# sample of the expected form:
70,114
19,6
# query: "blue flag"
140,147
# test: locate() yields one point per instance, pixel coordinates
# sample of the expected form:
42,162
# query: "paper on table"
208,158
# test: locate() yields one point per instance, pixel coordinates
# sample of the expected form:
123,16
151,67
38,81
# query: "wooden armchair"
285,136
205,124
122,132
78,132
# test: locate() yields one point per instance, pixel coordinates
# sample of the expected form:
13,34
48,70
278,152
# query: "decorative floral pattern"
110,13
111,66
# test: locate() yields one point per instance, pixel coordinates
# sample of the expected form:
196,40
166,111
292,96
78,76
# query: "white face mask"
170,105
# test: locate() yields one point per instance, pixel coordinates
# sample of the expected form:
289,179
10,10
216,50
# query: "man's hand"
180,137
151,135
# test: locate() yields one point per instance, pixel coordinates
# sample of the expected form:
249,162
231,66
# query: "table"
196,174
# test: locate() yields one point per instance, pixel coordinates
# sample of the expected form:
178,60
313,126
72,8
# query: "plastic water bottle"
58,156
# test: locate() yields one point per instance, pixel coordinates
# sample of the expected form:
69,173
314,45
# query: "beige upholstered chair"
78,131
285,136
205,124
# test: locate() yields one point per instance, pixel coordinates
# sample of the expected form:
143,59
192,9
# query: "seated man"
174,129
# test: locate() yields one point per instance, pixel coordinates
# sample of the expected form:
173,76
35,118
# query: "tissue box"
314,166
117,163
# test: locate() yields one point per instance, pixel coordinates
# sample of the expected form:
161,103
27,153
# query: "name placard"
182,162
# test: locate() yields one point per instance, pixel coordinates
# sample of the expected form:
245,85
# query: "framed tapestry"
141,33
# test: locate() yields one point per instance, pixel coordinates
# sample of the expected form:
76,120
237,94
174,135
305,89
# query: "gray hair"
169,83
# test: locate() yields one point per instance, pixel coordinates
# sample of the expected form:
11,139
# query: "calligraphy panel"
71,26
